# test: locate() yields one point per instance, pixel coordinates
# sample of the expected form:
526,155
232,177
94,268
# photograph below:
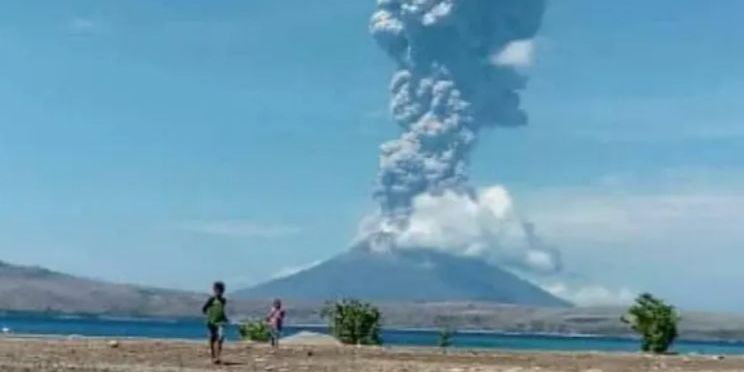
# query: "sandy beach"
22,355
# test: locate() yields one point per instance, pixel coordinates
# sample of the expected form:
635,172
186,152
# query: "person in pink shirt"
275,318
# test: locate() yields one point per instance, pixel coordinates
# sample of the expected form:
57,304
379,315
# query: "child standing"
276,322
216,318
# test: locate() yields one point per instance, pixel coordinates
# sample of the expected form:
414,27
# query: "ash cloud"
457,73
446,88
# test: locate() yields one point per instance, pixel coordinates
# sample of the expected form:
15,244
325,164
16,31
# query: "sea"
120,328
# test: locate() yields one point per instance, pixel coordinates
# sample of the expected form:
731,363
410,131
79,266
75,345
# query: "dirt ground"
25,355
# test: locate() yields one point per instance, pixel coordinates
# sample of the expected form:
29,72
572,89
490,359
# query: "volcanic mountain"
400,277
405,275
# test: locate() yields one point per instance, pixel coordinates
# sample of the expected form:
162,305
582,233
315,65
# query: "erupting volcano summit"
434,237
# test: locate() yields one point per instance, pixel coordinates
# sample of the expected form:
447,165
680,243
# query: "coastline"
94,355
465,317
323,328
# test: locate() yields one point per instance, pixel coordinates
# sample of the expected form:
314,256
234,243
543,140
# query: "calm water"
32,324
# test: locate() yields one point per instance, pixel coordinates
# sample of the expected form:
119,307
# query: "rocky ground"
22,355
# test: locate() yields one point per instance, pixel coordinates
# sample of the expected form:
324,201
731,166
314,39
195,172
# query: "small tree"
445,338
446,331
655,321
257,331
353,322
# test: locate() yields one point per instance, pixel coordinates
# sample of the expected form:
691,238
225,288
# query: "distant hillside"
421,275
38,289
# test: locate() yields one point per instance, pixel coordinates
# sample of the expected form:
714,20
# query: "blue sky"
174,143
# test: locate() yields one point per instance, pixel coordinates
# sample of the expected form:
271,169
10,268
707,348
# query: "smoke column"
456,74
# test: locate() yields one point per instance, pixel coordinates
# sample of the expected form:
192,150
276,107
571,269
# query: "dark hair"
219,287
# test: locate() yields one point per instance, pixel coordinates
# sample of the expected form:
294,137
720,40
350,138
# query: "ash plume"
457,72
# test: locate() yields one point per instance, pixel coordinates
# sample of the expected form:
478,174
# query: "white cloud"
291,270
82,25
242,229
456,221
591,295
646,232
481,225
622,210
517,54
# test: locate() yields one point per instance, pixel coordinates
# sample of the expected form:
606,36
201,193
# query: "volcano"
403,276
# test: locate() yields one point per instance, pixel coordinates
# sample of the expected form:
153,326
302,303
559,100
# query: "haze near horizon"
171,145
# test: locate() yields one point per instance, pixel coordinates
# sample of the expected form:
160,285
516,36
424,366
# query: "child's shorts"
276,333
216,332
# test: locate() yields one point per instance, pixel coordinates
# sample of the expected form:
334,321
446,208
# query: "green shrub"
445,337
446,331
353,322
655,321
257,331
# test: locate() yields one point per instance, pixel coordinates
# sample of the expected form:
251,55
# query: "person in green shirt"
216,318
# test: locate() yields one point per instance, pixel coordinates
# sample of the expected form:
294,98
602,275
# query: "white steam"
483,225
591,295
516,53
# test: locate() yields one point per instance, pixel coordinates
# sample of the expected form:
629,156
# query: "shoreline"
469,318
173,320
323,329
94,355
20,337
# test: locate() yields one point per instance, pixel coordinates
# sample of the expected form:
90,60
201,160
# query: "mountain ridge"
35,288
410,275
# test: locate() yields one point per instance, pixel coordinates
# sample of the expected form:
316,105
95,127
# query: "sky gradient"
172,144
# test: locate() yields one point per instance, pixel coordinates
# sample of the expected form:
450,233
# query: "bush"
353,322
446,331
445,338
655,321
257,331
